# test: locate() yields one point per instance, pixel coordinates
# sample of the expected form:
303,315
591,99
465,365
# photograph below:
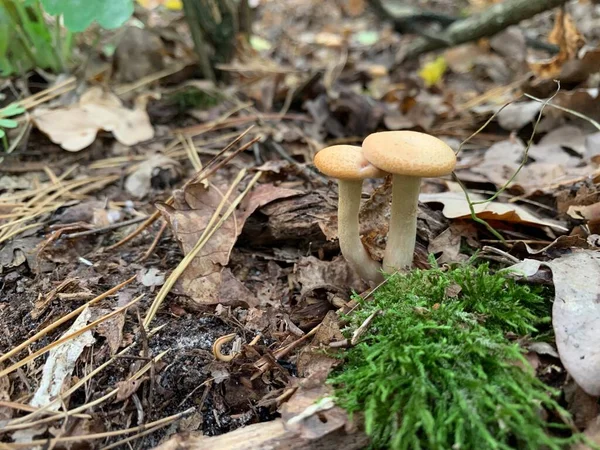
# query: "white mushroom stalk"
348,165
409,156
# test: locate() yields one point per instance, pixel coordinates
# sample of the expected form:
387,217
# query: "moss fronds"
437,371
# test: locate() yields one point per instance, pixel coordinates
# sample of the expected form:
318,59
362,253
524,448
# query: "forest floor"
98,224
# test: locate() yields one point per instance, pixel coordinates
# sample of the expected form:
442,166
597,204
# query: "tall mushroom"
348,164
409,156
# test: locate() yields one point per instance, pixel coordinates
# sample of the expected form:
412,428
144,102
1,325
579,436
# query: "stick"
488,23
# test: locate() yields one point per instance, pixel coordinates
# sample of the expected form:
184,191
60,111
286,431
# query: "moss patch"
436,369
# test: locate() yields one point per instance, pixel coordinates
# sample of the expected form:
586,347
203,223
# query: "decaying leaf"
575,313
568,38
61,362
189,217
139,182
456,206
75,127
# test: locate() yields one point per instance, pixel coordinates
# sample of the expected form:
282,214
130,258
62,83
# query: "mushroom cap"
409,153
346,162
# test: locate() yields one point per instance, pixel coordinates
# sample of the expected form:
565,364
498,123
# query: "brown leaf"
567,37
127,388
313,273
189,216
315,425
112,330
448,242
312,361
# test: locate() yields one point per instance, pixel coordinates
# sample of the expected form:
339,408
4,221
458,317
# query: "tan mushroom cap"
409,153
346,162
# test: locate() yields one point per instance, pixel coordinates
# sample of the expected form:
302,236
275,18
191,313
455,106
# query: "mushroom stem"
349,233
402,234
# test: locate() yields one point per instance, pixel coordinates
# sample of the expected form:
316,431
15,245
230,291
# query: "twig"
21,422
491,21
155,242
363,327
105,229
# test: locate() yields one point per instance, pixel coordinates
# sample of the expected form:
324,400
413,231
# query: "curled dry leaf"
456,206
568,38
189,217
75,127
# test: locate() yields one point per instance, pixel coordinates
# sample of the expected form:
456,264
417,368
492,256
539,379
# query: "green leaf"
8,123
2,133
79,14
12,110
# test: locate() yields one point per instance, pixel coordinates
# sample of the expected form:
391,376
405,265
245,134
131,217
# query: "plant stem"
402,234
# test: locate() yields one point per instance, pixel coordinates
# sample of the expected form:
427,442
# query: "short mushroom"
349,166
408,156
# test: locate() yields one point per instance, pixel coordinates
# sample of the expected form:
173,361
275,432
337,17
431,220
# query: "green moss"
437,371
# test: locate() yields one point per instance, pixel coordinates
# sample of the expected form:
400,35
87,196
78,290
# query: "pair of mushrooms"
408,156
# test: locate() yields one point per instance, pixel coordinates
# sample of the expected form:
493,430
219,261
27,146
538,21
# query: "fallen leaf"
139,183
126,389
575,313
75,127
510,43
151,277
456,206
516,115
189,216
111,330
448,243
312,273
567,37
61,363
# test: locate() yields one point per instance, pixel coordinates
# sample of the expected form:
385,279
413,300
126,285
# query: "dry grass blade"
12,426
206,235
140,428
63,319
21,421
48,94
32,409
49,347
10,229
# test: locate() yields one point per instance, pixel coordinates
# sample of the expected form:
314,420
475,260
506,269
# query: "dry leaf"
575,313
567,37
456,206
138,183
75,127
189,216
61,363
127,388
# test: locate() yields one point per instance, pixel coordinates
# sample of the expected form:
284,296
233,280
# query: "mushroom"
348,164
408,156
